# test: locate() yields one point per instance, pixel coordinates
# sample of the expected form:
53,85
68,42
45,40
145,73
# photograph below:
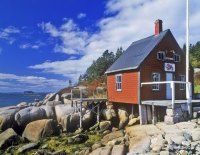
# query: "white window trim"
181,86
162,52
118,89
178,56
157,89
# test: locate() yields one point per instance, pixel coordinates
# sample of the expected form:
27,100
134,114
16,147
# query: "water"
11,99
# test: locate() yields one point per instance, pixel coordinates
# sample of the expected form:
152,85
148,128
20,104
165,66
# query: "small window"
155,78
176,58
161,55
181,85
118,82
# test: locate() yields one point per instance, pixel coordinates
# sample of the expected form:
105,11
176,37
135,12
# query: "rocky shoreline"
51,127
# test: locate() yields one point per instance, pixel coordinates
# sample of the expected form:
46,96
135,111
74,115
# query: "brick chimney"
158,27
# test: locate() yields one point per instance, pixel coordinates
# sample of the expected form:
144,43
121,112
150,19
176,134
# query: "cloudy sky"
45,43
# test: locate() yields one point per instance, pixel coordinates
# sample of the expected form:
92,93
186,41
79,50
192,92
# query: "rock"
60,152
85,151
157,143
57,98
8,138
111,136
183,152
109,114
187,136
186,143
177,139
22,104
198,121
106,132
45,146
63,110
96,146
157,148
74,122
118,150
48,97
88,118
123,117
132,121
80,138
49,111
115,141
164,153
186,125
139,145
170,119
40,128
27,115
7,118
102,151
195,134
27,147
105,125
53,103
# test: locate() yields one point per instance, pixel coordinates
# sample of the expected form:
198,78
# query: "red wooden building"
152,59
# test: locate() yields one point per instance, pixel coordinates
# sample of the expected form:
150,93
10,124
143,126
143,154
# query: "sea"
12,99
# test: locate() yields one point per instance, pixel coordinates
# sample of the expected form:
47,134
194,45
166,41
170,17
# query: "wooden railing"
172,84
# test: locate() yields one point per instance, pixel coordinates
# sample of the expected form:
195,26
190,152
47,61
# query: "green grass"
197,89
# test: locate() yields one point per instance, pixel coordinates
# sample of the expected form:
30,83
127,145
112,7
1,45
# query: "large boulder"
63,110
53,103
27,147
102,151
88,119
7,118
109,114
118,150
27,115
8,138
123,117
139,145
22,104
41,128
111,136
49,111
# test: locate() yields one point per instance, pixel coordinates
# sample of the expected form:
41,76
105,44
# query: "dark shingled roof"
136,53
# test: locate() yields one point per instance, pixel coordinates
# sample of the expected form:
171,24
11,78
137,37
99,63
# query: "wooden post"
173,95
98,112
153,112
189,98
81,114
71,98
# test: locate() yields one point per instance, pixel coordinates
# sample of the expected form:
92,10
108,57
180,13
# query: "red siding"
129,93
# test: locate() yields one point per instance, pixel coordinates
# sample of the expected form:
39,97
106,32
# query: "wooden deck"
89,99
166,103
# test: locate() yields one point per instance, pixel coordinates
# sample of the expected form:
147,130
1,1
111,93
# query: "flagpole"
188,85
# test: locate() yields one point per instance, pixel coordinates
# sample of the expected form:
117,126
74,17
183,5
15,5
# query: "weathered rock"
139,145
109,114
132,121
22,104
102,151
195,134
54,103
186,125
7,118
183,152
8,138
28,147
118,150
63,110
88,118
177,139
84,151
48,97
164,153
40,128
74,122
80,138
60,152
105,125
49,111
57,98
123,117
27,115
157,143
96,146
111,136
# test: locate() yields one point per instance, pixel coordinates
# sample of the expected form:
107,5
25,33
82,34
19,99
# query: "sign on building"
169,67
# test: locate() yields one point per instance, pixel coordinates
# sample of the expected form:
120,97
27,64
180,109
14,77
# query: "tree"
118,53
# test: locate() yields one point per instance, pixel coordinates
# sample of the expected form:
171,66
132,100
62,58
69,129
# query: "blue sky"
45,43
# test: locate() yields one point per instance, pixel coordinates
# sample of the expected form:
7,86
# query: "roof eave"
124,69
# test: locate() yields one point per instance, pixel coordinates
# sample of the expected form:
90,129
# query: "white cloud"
35,45
126,21
8,32
26,82
81,15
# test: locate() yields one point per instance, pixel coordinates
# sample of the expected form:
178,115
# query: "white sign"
169,67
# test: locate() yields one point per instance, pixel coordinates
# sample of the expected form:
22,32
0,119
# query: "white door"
169,77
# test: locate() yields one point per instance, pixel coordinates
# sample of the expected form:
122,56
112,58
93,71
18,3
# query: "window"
161,55
181,85
176,58
155,78
118,82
